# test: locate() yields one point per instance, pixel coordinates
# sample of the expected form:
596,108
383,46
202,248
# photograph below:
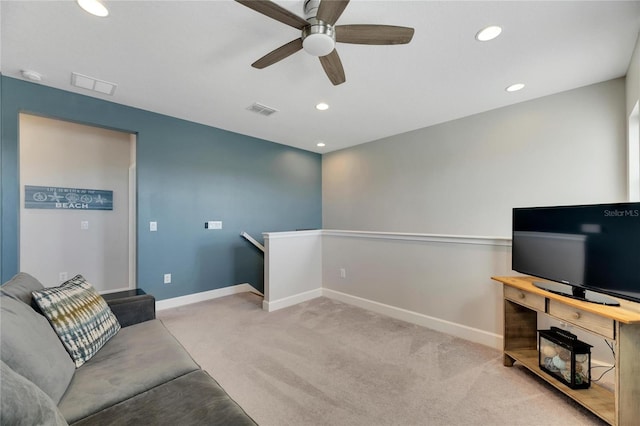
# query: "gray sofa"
142,375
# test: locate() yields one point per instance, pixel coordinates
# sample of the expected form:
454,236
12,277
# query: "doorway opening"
69,227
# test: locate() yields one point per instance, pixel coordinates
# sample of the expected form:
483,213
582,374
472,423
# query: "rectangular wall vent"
261,109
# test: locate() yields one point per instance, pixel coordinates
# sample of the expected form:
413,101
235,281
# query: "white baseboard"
285,302
205,295
458,330
462,331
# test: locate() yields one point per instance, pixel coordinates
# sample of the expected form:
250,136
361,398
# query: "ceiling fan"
320,34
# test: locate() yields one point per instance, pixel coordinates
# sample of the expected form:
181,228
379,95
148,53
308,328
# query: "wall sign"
51,197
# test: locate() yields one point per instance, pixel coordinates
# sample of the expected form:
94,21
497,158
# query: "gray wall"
463,177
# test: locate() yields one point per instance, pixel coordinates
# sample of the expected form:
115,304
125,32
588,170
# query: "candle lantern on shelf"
566,358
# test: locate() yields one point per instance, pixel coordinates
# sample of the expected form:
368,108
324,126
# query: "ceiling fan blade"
373,34
333,67
273,11
330,10
278,54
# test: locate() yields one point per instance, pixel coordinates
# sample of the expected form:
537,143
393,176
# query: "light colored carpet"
328,363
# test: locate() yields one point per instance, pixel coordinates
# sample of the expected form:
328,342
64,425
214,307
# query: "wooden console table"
523,301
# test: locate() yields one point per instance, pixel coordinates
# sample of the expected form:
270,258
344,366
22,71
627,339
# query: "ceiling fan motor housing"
310,8
319,38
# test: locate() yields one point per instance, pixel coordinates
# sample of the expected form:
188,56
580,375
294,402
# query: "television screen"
589,247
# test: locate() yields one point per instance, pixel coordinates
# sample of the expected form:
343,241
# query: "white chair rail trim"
291,234
440,238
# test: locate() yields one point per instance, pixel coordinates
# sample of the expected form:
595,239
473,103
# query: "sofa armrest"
133,309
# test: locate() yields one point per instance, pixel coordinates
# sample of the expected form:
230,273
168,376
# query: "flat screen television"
588,251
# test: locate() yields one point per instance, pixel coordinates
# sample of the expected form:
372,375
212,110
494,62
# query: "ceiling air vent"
91,83
261,109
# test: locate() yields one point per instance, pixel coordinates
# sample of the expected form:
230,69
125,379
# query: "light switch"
153,226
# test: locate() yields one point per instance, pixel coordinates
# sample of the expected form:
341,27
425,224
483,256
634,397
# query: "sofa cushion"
32,349
20,287
191,400
23,403
136,359
81,317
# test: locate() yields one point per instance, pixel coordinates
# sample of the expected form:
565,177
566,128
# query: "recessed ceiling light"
320,144
322,106
515,87
94,7
488,33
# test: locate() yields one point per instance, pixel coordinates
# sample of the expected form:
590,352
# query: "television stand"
522,303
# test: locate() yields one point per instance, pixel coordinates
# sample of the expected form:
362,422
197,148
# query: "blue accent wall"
187,174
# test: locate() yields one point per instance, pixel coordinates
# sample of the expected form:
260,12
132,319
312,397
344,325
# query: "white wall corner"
293,267
285,302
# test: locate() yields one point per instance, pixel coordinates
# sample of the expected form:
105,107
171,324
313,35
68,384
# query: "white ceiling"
191,59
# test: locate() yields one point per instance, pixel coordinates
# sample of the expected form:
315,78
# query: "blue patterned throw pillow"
79,315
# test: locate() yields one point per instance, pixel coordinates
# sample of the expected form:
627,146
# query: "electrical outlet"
84,225
167,278
153,226
213,224
343,273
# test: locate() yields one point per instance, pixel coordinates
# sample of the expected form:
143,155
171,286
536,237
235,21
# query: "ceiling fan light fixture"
318,39
318,45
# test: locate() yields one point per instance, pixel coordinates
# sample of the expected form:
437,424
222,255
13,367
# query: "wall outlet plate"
213,224
167,278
